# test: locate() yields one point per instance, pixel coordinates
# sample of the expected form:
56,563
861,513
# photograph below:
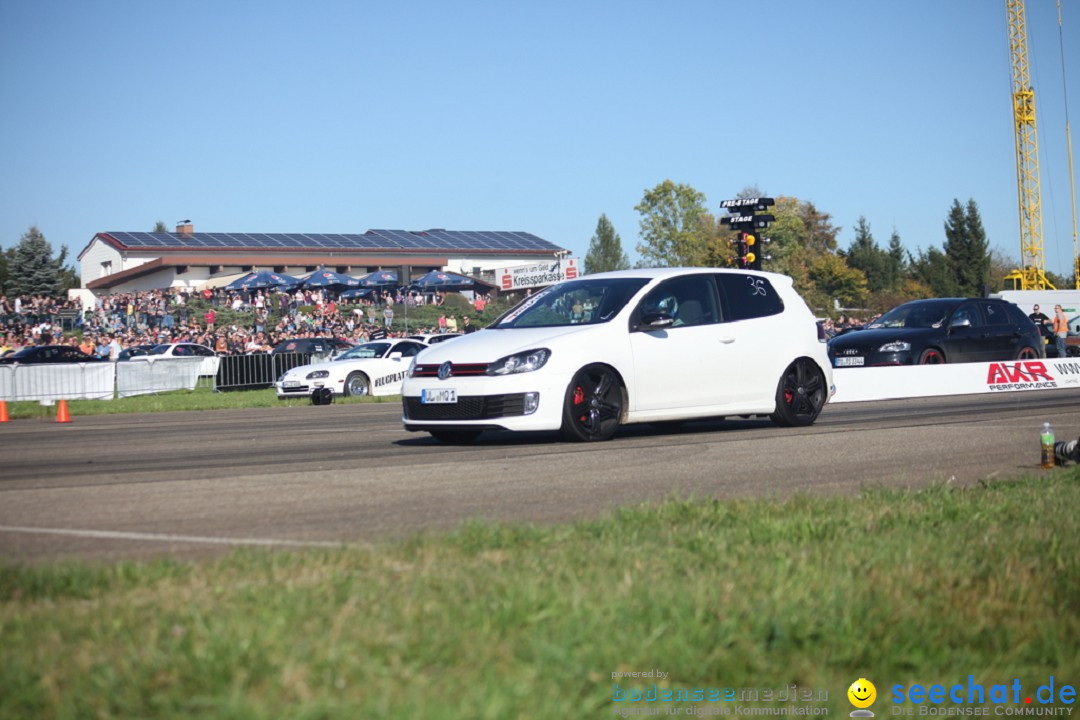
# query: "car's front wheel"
800,395
357,385
932,356
593,406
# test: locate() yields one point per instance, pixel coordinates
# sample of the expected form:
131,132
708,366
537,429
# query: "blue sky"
341,117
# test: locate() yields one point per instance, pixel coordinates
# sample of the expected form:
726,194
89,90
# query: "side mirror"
395,356
962,322
654,321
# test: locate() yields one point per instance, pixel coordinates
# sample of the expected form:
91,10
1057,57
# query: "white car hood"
488,345
330,366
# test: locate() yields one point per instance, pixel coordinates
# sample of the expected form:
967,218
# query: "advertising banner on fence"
534,275
884,383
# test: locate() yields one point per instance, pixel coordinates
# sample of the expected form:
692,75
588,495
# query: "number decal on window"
757,286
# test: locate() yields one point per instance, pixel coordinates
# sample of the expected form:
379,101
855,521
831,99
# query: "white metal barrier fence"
97,381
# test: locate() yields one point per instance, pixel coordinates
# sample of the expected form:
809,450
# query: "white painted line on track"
117,535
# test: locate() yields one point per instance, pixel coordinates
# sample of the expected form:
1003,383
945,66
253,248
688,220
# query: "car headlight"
895,346
318,374
412,368
520,362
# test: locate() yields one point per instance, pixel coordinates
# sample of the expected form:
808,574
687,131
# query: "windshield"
367,350
578,302
914,315
159,350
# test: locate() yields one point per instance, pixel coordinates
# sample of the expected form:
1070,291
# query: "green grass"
507,621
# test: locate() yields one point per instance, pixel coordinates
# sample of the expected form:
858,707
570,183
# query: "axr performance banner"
534,275
885,383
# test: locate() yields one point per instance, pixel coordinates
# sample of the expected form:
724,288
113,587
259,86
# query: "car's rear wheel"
593,406
357,385
1027,353
800,395
932,356
455,437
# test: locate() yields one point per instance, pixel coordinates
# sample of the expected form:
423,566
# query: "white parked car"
590,354
373,368
210,362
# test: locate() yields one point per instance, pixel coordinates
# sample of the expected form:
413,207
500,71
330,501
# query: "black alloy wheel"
932,356
801,394
1027,353
594,405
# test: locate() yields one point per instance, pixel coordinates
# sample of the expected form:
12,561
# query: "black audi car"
38,354
941,330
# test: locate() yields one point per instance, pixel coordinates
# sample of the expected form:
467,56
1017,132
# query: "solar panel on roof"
435,240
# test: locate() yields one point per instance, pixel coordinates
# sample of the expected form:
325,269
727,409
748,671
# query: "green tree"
865,255
6,258
67,275
159,227
933,270
967,249
674,226
605,249
897,267
34,271
836,280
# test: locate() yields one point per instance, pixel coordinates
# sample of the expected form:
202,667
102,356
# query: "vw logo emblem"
444,370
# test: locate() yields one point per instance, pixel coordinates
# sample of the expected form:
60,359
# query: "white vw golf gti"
590,354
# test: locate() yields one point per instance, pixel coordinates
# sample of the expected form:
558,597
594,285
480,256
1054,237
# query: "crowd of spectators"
154,317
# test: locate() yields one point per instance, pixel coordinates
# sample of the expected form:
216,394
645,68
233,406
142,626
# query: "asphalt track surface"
193,484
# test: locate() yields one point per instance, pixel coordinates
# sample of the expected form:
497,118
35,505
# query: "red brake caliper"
579,397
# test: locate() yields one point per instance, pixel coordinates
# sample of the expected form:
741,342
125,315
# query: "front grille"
298,390
456,370
475,407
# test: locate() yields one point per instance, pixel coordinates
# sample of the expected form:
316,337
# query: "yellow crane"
1068,143
1032,274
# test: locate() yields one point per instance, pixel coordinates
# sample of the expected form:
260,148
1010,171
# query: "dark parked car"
38,354
929,332
316,346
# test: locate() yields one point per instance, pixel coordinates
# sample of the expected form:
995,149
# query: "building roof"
182,261
394,242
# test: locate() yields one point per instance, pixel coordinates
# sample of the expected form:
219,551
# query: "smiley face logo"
862,693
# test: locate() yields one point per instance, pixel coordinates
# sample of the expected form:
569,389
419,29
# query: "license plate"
291,383
439,396
849,361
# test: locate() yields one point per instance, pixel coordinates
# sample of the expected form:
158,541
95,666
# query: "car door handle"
727,339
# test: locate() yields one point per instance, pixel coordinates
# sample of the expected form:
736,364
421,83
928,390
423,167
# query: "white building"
128,261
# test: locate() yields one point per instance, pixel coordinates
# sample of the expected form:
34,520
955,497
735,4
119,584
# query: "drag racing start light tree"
744,219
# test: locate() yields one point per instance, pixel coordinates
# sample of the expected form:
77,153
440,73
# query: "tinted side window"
995,313
748,296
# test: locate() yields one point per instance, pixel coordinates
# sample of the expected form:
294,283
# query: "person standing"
466,326
1061,330
1038,317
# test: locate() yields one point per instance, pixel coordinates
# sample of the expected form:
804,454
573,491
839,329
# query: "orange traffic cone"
62,414
3,411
